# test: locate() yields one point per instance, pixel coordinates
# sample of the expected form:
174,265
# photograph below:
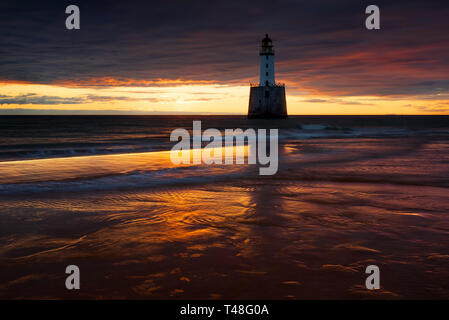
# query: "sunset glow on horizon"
186,97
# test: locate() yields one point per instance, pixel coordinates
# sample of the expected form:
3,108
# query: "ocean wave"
122,146
325,131
57,152
164,177
404,180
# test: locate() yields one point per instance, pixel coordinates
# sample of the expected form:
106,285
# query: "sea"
101,193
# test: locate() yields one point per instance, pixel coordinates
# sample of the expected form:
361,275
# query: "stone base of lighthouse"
267,102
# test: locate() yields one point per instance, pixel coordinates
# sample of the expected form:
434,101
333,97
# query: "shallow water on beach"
140,228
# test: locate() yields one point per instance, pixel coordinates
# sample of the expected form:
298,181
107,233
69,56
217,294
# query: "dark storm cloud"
321,45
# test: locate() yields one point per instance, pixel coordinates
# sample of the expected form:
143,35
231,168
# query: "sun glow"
176,96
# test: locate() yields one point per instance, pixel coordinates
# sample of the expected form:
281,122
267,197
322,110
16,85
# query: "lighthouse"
267,98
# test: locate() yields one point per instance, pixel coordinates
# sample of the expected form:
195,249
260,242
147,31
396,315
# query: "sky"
187,56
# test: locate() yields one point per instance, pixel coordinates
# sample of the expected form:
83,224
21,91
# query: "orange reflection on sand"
88,167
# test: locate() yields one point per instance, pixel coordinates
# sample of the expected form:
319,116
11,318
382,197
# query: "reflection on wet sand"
283,236
89,167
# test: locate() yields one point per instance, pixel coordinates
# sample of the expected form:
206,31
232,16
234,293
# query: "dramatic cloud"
35,99
322,46
32,98
23,111
337,101
438,109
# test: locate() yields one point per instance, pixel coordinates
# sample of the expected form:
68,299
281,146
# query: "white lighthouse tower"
267,98
266,63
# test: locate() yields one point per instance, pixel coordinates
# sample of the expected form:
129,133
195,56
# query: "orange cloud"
127,82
